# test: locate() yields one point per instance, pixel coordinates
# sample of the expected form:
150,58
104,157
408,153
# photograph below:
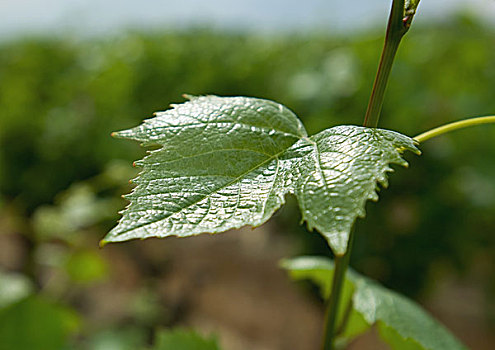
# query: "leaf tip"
383,181
123,134
102,243
374,196
188,96
415,149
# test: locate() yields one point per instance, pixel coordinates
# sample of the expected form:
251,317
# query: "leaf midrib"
276,156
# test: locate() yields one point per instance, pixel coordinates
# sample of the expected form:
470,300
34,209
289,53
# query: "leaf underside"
400,322
227,162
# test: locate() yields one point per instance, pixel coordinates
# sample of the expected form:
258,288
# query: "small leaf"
401,323
341,173
410,7
227,162
179,339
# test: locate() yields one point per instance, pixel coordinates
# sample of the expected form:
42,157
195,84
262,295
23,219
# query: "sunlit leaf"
227,162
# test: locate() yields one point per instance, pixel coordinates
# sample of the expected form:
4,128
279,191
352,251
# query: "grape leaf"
401,323
341,173
227,162
219,167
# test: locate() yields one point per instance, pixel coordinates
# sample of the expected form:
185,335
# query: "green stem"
398,24
332,311
396,28
454,126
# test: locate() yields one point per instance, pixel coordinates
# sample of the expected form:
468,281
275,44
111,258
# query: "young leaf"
227,162
341,172
219,167
401,323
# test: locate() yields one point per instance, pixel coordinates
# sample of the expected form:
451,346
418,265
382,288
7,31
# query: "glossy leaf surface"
227,162
401,323
341,172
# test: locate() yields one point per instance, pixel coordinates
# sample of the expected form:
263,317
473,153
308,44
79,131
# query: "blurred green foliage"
125,338
13,287
35,323
61,173
180,339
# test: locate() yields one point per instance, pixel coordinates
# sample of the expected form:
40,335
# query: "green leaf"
35,323
180,339
401,323
227,162
219,167
341,172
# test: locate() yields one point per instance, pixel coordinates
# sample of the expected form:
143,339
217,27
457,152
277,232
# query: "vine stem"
397,26
341,263
454,126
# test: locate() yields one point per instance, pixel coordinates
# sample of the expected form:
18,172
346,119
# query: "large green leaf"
219,167
227,162
401,323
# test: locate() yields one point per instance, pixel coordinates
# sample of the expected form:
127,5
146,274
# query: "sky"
100,17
